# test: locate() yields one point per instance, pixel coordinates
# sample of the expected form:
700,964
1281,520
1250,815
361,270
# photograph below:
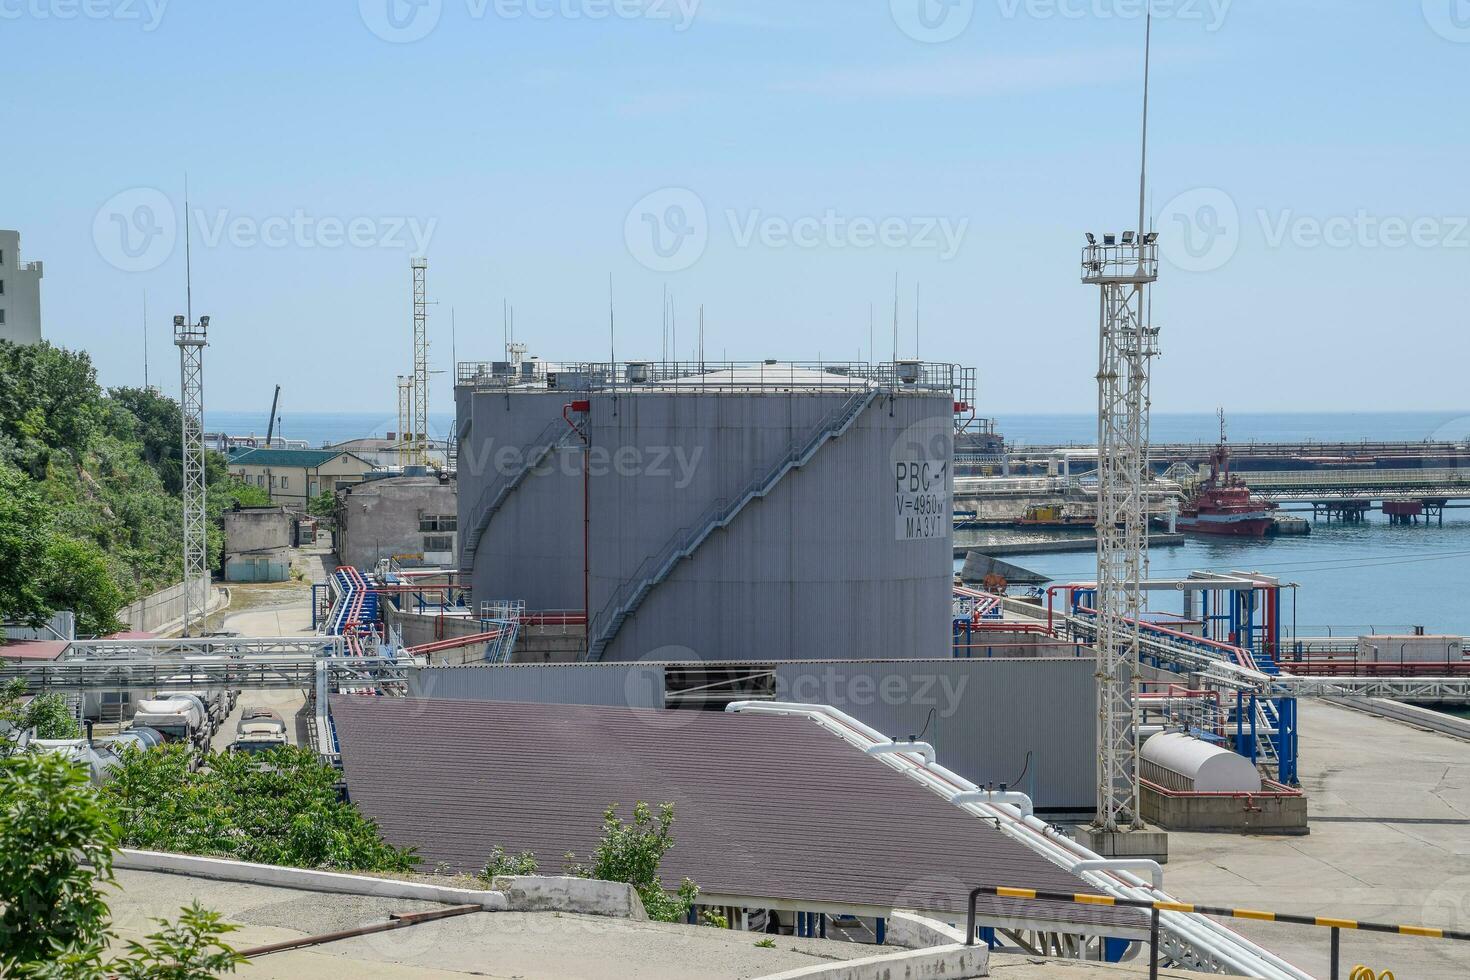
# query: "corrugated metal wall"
987,714
616,685
532,550
814,570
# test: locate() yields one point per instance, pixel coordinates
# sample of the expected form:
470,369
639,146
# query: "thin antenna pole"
453,343
612,344
916,320
872,352
895,318
674,329
188,259
505,324
145,340
701,336
1143,165
664,323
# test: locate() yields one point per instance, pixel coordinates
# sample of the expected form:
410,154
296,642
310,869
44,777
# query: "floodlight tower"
419,451
405,417
191,340
1123,270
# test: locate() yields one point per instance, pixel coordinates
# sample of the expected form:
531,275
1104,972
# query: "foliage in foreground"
281,807
501,863
628,852
56,848
46,713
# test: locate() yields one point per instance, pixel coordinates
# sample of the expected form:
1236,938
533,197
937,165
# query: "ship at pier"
1223,504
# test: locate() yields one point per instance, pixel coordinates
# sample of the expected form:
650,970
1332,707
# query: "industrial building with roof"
294,477
716,511
770,812
412,520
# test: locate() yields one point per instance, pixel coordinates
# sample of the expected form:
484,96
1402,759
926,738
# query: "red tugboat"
1223,504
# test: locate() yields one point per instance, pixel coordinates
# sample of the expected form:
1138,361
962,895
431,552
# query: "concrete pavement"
1389,842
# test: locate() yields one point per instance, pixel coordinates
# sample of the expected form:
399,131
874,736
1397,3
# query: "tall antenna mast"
665,323
701,336
1148,38
188,258
1123,269
419,454
145,340
872,354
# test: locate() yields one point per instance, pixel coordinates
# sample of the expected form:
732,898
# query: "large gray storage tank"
735,512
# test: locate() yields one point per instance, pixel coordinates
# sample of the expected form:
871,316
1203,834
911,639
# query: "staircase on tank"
495,494
626,601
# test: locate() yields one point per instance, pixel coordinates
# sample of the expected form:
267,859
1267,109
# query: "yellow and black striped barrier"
1336,925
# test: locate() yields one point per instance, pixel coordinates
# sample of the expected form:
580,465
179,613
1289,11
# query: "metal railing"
1130,262
1157,908
735,376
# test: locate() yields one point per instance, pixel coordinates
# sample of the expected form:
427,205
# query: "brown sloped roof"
765,806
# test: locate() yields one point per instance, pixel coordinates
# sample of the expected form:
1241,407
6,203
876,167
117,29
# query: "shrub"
501,863
281,807
632,853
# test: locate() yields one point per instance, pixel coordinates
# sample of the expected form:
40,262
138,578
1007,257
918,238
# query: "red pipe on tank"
584,407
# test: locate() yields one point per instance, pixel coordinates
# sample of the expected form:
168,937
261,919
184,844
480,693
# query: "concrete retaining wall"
910,930
942,963
583,895
220,869
158,612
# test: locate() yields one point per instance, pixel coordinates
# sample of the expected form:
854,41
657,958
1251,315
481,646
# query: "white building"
20,293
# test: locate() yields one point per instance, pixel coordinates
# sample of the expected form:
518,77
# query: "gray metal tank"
773,512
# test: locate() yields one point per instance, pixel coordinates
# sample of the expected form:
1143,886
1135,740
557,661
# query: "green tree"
78,578
280,807
632,853
156,422
49,401
55,847
323,504
23,537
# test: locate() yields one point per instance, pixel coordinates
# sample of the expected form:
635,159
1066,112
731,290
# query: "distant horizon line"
393,413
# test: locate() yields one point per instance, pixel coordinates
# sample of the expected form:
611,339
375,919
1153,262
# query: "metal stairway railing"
495,494
719,514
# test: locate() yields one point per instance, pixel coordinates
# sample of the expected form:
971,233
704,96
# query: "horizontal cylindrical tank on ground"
1205,767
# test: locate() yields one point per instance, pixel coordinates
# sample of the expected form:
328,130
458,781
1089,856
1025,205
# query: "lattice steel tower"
1124,270
191,340
405,418
419,454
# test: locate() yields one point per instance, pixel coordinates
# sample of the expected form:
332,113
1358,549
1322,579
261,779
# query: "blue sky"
1308,173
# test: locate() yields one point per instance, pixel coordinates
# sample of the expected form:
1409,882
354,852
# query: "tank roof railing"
714,376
